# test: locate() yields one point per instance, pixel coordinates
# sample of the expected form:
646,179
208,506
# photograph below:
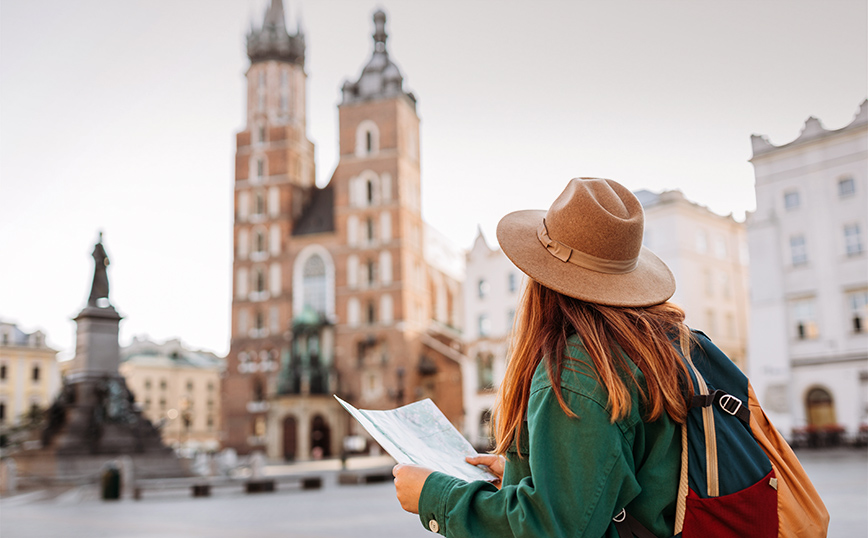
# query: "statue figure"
100,288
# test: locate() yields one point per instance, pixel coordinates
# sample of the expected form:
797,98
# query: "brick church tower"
337,290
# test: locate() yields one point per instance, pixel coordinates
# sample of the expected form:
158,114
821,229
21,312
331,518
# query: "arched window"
259,245
314,283
260,280
258,390
367,139
372,313
259,204
369,229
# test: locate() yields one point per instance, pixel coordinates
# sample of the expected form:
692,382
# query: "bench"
365,476
202,486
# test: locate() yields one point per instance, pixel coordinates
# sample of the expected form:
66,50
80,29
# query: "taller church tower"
274,178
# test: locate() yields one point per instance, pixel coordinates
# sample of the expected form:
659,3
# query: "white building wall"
786,365
704,251
498,303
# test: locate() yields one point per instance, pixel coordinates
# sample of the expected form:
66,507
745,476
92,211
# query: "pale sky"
121,116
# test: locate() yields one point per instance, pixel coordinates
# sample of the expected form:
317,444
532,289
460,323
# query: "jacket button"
434,526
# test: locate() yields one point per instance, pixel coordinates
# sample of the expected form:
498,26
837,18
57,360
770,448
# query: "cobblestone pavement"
332,512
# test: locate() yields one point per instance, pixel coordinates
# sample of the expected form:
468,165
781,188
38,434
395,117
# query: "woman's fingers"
492,461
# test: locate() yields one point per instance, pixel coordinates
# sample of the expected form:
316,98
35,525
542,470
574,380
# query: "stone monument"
94,420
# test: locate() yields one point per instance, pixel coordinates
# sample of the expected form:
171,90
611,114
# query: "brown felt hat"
588,245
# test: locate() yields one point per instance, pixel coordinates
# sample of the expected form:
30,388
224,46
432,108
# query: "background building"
809,277
177,389
29,373
337,290
491,292
707,253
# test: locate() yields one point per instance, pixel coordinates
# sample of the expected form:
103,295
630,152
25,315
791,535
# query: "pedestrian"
589,412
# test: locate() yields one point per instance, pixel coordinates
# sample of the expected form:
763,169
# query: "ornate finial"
380,35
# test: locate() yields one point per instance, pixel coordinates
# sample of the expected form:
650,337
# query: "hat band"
576,257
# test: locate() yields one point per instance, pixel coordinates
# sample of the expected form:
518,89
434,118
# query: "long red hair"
546,319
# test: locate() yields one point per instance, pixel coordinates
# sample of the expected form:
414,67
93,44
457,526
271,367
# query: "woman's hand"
409,480
494,463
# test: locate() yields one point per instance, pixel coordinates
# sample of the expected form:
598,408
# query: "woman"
587,421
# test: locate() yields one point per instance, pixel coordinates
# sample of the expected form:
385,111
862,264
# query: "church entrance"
289,438
320,438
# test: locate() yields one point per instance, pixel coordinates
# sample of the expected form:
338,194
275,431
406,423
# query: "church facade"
336,290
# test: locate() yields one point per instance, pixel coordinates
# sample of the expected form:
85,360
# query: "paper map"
418,433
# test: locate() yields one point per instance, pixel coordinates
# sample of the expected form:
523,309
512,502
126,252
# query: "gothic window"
258,323
260,280
258,390
367,139
369,228
314,284
372,313
353,271
259,204
369,192
385,267
260,168
372,273
386,309
260,242
353,314
385,227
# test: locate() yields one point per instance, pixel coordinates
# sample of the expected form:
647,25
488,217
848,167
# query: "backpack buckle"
730,404
622,515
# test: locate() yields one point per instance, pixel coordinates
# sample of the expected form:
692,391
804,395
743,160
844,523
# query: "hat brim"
649,284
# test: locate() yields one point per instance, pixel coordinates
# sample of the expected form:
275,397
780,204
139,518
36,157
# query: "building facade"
336,290
492,288
809,277
707,253
177,389
29,373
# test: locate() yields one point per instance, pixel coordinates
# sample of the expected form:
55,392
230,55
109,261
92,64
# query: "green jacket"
575,474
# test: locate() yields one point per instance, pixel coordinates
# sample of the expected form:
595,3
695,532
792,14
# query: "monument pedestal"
94,420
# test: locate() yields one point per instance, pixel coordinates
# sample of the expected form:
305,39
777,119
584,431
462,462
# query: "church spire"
380,78
272,41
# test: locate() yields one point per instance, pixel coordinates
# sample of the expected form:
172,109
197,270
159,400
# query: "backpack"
739,477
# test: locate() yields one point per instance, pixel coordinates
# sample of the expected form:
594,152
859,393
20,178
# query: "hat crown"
598,217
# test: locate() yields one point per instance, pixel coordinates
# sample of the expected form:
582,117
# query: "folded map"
418,433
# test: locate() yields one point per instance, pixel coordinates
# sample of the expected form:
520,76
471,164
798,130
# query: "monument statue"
100,287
